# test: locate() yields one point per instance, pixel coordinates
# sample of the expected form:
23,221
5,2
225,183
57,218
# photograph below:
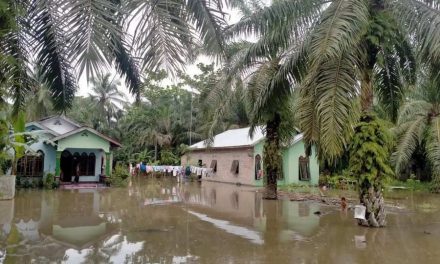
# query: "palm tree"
91,36
106,97
418,126
267,100
39,105
342,54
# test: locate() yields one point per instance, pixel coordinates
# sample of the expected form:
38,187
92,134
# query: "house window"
213,165
31,165
235,168
200,163
258,170
304,168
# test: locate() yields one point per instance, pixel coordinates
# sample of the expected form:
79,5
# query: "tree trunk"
272,157
371,197
367,95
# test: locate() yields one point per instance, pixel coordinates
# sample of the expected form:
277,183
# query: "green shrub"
49,182
26,183
120,176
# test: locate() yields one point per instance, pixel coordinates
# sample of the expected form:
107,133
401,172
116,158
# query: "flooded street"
161,221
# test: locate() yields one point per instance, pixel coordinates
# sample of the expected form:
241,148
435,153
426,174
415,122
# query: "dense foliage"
313,66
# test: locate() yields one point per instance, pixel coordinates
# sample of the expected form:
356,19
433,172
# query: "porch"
88,165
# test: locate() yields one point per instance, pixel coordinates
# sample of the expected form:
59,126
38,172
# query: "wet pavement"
161,221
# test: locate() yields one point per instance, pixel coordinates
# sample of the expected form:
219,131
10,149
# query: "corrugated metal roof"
238,138
232,138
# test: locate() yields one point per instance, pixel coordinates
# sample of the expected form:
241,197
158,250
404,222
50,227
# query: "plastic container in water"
359,212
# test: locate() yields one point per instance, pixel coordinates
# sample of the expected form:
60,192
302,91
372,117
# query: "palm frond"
339,30
295,15
433,145
413,110
421,19
163,37
90,24
209,21
52,57
389,86
336,87
266,95
409,137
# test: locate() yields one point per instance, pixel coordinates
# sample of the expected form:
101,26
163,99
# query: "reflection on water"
164,222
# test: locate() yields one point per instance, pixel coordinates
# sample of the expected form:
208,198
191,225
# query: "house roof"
61,127
80,129
235,138
232,138
59,124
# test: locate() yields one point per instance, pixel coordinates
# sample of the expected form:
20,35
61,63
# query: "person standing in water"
77,173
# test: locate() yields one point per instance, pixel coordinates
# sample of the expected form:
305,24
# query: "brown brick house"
235,158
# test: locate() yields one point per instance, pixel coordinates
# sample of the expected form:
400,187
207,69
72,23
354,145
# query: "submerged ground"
161,221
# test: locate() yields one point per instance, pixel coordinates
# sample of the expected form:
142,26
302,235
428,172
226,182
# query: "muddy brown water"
161,221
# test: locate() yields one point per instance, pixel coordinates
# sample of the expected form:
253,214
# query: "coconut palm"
418,126
39,105
106,96
343,54
91,36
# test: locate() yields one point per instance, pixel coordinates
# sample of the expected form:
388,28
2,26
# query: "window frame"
301,161
235,167
213,165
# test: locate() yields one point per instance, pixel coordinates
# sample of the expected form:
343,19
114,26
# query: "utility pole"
191,119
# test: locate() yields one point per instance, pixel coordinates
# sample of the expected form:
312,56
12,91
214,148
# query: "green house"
234,157
64,147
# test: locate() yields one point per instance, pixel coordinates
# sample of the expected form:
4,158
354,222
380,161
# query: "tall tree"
107,97
418,126
91,36
340,53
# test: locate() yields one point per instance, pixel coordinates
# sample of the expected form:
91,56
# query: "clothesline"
200,171
175,170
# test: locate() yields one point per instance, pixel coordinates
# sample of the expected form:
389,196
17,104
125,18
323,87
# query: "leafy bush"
370,152
49,182
167,157
120,176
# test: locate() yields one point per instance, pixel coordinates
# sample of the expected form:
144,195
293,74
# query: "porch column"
108,169
58,164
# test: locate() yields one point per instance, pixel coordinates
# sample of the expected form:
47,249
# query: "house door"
66,165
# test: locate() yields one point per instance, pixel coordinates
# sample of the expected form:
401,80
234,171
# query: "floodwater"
161,221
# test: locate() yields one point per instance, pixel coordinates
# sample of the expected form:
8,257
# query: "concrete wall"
291,165
224,158
49,153
84,139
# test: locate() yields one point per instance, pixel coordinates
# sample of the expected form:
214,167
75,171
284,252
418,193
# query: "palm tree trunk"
272,157
367,95
370,193
371,197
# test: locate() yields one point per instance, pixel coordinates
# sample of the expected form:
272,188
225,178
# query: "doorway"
67,166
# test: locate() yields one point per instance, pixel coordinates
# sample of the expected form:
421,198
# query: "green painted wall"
85,140
290,164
